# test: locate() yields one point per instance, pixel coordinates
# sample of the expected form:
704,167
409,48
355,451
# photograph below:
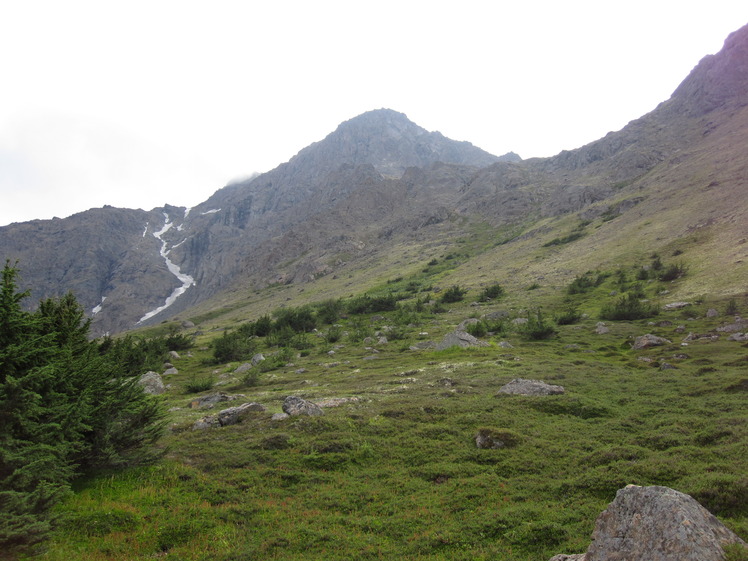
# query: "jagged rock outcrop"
656,524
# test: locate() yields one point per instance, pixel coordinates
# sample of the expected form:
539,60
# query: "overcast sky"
141,103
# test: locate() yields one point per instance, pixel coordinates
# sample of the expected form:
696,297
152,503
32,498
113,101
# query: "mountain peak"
391,142
718,80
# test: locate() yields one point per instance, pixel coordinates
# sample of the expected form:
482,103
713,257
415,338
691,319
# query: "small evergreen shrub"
628,307
584,283
372,304
300,320
479,329
732,307
492,292
453,294
197,385
672,272
537,327
569,316
358,331
330,311
233,346
334,334
251,377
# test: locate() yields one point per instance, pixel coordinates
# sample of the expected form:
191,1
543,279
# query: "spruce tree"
66,407
35,465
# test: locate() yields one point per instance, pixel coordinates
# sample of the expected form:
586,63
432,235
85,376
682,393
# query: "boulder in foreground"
656,524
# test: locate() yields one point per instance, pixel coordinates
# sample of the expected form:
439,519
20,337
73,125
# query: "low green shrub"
453,294
479,329
537,327
251,377
334,334
233,346
585,282
197,385
672,272
721,493
493,292
569,316
372,304
628,307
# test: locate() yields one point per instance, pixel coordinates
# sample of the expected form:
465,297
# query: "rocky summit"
379,180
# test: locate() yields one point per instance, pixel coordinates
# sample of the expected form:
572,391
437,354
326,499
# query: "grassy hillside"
393,470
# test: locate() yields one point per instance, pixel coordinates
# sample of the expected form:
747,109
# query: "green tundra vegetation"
393,470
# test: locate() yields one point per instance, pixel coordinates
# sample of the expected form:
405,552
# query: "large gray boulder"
521,386
649,340
656,524
294,405
459,339
226,417
152,383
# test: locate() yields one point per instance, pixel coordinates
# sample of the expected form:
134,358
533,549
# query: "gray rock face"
226,417
649,340
152,383
521,386
294,405
656,524
212,399
459,339
170,371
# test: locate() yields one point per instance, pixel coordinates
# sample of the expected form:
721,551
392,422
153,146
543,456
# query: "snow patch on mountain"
186,280
97,308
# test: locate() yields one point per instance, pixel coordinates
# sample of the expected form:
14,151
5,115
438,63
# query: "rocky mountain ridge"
379,178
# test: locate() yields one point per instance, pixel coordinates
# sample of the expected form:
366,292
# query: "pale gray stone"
521,386
152,383
649,340
294,405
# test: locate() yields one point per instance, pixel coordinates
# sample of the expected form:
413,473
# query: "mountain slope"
117,261
674,177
